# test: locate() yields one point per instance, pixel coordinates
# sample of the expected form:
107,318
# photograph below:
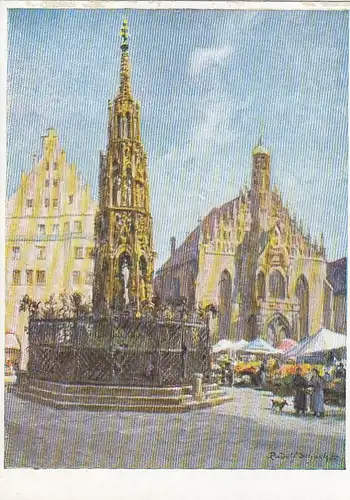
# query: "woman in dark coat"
300,386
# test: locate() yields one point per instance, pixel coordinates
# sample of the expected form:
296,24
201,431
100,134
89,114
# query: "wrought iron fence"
152,350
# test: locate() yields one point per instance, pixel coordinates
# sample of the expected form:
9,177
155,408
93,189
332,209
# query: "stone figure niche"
124,277
142,283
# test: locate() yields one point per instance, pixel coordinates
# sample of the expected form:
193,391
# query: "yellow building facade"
49,234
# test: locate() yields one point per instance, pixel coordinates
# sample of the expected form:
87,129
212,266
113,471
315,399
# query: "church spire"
125,70
124,261
261,135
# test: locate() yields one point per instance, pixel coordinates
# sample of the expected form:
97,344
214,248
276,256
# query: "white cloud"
203,58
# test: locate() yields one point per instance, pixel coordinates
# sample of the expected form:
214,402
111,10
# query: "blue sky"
206,80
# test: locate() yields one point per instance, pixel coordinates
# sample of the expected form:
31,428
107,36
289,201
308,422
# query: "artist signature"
298,455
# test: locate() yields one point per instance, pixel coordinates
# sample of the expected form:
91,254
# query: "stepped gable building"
124,261
253,261
337,275
49,234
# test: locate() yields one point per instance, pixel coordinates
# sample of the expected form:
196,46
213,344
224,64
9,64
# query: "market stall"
12,352
318,345
253,354
224,355
320,351
286,344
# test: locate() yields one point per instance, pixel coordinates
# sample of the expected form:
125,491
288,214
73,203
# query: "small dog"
278,404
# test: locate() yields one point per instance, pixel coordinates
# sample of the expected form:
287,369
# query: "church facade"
124,255
253,262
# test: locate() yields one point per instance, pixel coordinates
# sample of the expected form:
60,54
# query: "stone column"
197,386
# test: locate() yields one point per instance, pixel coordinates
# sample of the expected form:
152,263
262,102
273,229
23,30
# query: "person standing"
317,396
300,386
262,372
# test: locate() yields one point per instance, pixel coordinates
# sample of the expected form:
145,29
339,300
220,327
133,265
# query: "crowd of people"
308,388
314,387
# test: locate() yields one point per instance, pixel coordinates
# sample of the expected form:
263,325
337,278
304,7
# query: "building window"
70,199
40,278
89,278
76,277
260,292
47,202
47,166
29,203
55,203
78,227
40,252
55,166
78,252
55,229
29,276
89,253
16,277
41,229
15,253
277,285
47,183
55,182
66,228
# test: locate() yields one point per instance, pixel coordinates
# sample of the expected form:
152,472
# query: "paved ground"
244,433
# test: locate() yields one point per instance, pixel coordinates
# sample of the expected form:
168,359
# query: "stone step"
114,390
215,393
193,405
210,387
108,398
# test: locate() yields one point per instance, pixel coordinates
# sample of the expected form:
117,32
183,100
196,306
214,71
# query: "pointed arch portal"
277,329
302,296
225,304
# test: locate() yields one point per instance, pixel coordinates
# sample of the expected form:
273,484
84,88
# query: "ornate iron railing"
121,350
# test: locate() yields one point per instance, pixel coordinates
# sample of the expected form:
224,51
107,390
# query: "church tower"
124,256
261,173
260,183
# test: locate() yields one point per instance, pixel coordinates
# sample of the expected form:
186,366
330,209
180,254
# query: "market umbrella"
286,344
223,345
321,342
259,346
240,344
11,341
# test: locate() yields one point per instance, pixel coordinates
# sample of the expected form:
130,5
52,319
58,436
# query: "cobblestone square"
242,434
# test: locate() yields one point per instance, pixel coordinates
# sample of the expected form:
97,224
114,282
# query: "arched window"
277,285
143,266
225,304
176,285
327,305
120,126
260,286
302,296
127,126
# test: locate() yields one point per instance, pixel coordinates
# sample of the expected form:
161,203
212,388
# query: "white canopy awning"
259,346
322,341
223,345
11,341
